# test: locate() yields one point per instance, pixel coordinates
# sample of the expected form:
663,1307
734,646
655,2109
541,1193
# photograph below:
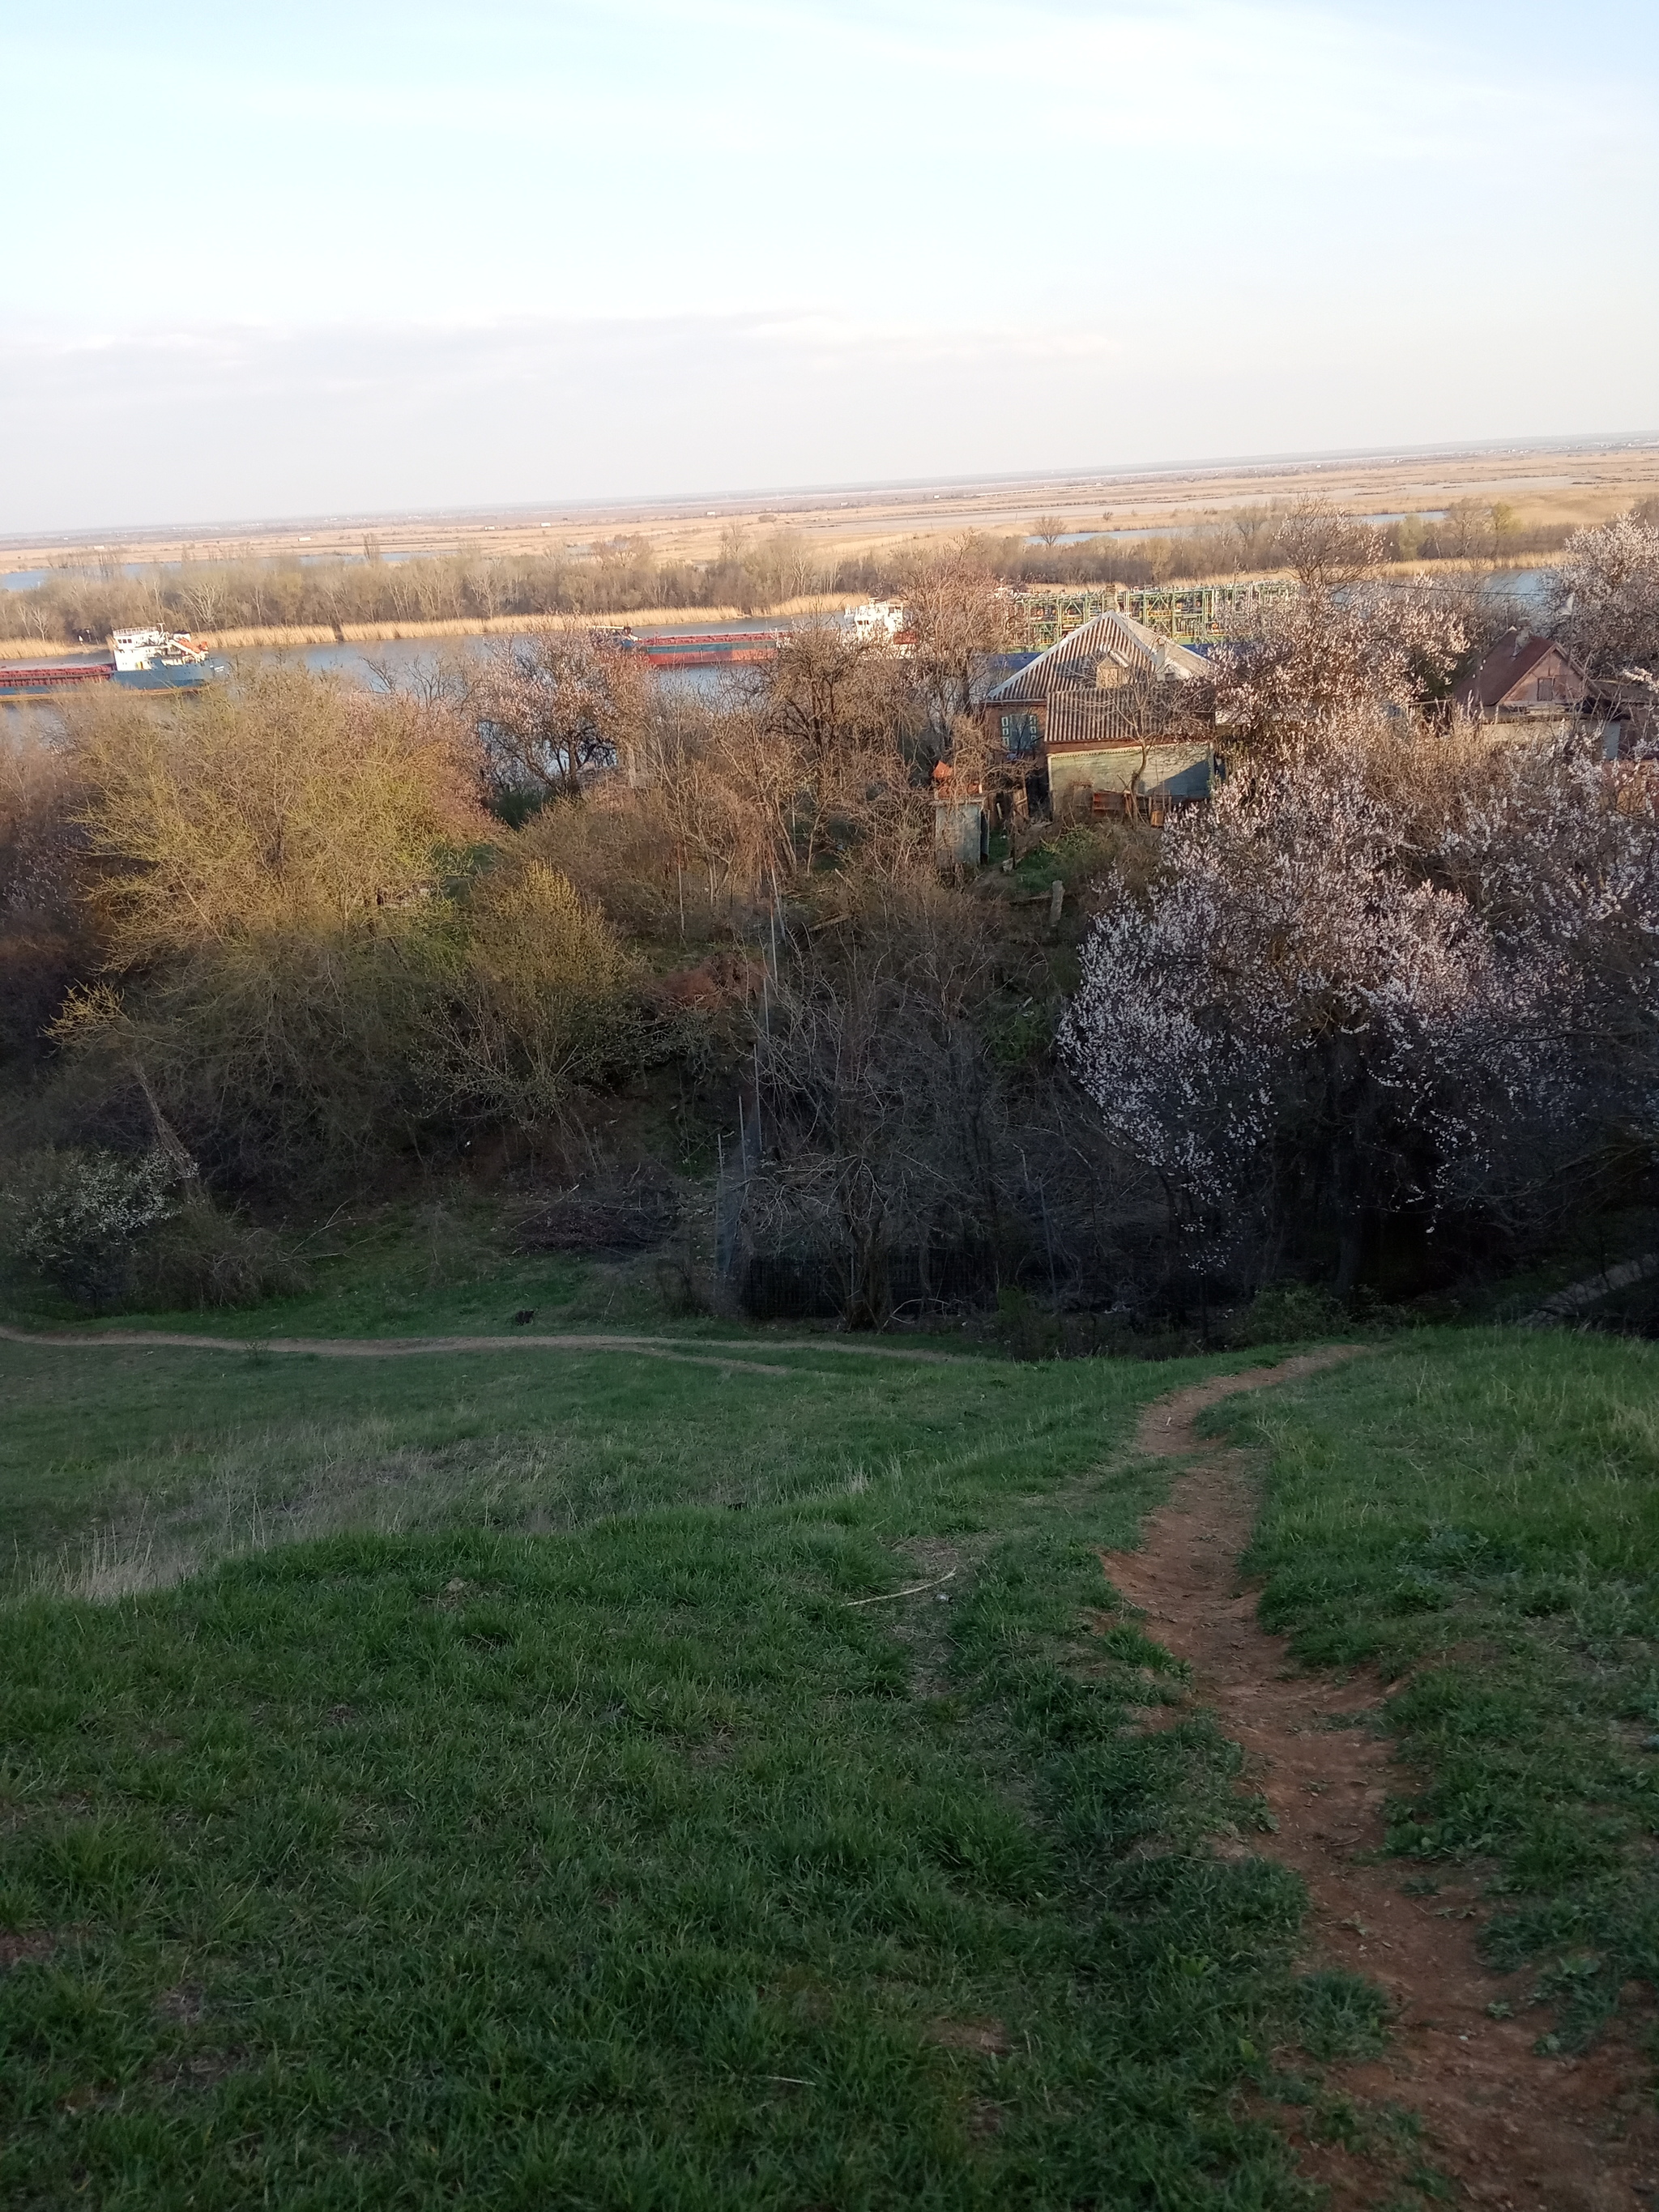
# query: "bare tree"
206,594
834,709
1326,550
955,612
882,1123
557,707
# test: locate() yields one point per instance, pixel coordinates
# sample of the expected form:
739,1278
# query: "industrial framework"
1181,612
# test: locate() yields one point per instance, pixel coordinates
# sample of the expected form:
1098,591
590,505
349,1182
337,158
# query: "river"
408,663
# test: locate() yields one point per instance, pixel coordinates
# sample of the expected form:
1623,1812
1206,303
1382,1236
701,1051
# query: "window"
1020,734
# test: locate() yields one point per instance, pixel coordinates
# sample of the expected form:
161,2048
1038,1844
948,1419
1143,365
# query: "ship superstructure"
139,652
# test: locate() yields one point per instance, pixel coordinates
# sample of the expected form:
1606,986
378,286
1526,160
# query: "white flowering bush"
1321,653
1365,985
1603,596
78,1218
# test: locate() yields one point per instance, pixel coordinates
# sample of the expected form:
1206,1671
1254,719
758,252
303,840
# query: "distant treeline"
757,574
1250,540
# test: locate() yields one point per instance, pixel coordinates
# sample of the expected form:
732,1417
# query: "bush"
271,873
544,1005
74,1219
109,1230
635,1213
202,1257
1285,1313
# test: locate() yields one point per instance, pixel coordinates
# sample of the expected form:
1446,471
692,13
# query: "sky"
363,257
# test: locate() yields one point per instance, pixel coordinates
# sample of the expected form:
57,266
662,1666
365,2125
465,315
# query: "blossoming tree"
1369,980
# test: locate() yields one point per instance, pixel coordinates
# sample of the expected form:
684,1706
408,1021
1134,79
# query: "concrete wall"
1175,771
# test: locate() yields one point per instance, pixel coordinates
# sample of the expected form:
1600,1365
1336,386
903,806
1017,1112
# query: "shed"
959,832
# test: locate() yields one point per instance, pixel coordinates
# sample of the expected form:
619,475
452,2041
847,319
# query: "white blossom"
1603,596
1361,970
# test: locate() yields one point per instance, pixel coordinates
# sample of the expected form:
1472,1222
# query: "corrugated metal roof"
1135,713
1110,647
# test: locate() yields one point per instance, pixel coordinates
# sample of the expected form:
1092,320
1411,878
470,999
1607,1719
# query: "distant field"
1566,484
235,640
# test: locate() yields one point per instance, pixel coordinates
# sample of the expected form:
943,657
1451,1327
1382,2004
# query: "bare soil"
1504,2126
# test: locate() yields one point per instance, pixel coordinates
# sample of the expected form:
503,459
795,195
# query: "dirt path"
695,1353
1512,2130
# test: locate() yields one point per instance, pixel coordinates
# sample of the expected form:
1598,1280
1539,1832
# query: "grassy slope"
1477,1514
543,1830
200,1453
442,1265
629,1865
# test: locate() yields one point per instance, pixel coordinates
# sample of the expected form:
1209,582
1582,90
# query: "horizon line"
91,536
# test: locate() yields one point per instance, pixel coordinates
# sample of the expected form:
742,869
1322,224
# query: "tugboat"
138,660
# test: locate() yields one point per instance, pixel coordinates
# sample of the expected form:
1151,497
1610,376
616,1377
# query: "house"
1532,679
1523,677
1103,721
1624,709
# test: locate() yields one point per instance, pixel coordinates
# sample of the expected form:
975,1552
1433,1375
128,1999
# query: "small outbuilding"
1106,719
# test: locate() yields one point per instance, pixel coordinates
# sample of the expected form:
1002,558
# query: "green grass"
440,1264
121,1452
1477,1516
437,1266
583,1842
483,1780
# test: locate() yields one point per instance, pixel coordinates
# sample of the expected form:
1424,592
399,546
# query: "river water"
411,662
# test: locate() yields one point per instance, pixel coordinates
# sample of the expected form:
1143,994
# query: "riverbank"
636,618
682,620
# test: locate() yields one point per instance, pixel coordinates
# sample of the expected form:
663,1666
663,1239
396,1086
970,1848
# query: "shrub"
74,1219
544,1005
1284,1312
202,1257
272,873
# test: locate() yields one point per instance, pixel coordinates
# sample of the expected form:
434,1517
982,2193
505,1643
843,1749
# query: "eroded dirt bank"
1509,2128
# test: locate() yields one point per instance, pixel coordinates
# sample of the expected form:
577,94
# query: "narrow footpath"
1512,2130
691,1352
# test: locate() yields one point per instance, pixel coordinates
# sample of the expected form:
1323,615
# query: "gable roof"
1517,655
1110,640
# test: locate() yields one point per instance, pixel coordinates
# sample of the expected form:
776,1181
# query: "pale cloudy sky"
361,255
